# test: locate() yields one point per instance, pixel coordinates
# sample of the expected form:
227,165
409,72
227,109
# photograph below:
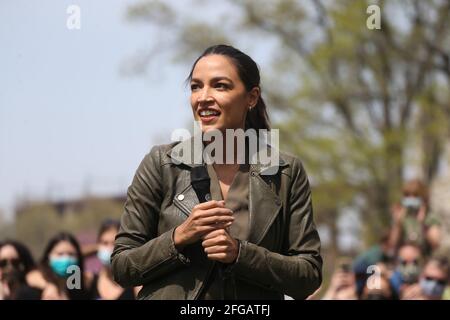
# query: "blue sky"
68,118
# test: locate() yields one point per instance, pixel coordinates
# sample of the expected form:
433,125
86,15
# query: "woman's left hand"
220,246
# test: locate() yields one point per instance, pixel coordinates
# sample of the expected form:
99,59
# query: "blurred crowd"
60,274
408,263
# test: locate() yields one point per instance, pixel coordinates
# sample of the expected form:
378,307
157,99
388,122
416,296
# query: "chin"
208,127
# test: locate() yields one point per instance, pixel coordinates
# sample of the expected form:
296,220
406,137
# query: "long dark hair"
257,117
25,256
50,276
26,262
107,225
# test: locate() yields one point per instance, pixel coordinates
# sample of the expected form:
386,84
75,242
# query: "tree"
6,227
354,103
35,225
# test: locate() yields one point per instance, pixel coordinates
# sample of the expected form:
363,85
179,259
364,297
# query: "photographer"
342,284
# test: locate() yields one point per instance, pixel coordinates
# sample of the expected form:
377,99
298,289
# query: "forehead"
8,252
408,251
433,270
64,246
215,66
108,234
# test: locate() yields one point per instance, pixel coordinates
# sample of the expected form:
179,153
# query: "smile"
209,113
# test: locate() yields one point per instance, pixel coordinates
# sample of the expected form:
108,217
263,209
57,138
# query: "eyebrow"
213,79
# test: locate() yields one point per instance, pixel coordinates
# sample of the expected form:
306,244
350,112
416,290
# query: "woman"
254,239
413,222
103,286
16,262
432,282
62,259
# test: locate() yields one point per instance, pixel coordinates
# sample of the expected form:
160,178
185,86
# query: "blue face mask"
412,203
59,265
104,255
432,288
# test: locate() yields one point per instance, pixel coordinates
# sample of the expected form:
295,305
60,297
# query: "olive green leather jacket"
281,255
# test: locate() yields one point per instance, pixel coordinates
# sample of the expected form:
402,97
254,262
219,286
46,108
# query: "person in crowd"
16,262
408,267
378,286
103,286
412,221
343,283
379,253
61,273
432,282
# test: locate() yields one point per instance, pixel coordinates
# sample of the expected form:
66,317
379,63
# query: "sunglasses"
406,262
14,262
440,281
411,194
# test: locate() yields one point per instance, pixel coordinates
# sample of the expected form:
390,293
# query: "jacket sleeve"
296,272
140,254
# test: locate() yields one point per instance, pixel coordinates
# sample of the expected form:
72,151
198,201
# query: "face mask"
409,272
104,255
412,203
431,288
59,265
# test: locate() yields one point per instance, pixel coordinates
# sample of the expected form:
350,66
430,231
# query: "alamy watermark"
234,146
374,280
73,21
74,279
374,20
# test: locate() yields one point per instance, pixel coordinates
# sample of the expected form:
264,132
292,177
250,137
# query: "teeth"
208,113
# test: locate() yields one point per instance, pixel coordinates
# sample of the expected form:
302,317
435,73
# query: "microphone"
201,183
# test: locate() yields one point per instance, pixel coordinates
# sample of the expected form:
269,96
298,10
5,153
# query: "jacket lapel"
189,153
264,204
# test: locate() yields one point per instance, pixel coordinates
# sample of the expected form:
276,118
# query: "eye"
221,85
194,86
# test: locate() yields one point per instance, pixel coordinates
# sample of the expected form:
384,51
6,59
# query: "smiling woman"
213,95
254,238
225,80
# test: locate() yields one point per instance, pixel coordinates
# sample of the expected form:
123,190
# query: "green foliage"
36,225
6,227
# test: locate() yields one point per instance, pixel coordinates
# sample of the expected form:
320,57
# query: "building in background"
37,221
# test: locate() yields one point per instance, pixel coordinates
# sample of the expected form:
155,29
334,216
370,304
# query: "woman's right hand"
204,218
398,213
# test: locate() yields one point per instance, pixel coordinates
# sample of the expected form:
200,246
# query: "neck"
237,158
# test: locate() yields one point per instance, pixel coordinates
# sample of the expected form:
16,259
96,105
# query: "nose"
204,96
